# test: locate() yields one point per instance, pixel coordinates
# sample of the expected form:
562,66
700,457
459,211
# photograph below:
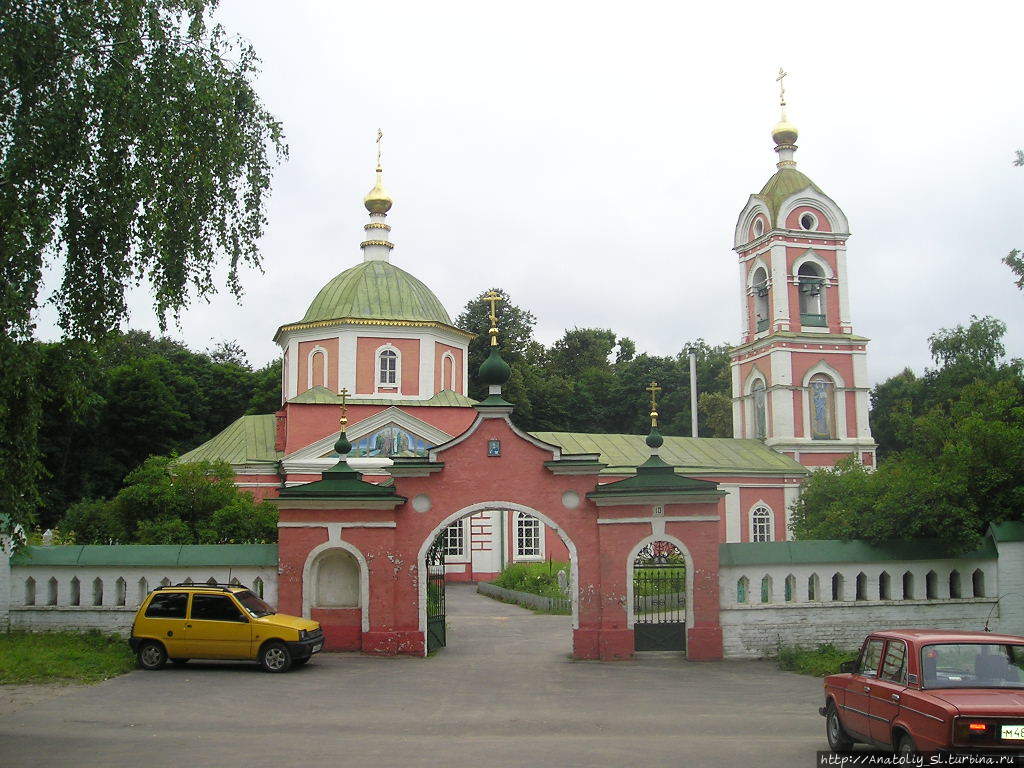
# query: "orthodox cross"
380,135
343,394
493,297
782,89
654,389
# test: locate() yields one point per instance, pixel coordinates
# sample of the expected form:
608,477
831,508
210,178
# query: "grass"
77,657
821,661
535,578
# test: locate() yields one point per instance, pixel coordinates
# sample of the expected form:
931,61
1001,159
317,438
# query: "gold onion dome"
784,132
378,200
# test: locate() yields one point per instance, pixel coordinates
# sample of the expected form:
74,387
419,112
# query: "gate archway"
658,578
431,569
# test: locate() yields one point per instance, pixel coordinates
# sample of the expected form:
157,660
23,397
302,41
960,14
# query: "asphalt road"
503,693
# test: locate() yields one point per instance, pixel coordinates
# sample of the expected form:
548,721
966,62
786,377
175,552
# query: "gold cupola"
378,200
784,133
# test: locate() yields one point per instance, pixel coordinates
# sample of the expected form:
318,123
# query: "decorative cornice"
384,243
370,321
377,225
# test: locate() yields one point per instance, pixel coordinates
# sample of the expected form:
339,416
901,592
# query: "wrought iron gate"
659,598
435,595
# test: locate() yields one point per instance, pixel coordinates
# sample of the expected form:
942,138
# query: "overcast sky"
591,159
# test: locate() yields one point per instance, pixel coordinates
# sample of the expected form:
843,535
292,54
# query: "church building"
378,334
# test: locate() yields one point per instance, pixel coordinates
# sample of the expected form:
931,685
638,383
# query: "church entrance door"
659,598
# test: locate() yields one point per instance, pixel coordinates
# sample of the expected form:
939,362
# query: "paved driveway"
504,693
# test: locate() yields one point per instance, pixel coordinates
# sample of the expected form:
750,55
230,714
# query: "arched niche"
336,580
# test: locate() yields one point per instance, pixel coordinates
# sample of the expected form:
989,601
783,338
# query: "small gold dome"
784,132
377,200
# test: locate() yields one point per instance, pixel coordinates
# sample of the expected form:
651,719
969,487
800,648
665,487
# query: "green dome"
376,290
494,371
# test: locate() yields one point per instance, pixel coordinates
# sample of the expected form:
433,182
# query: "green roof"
376,290
247,439
690,455
655,477
1008,530
784,184
146,555
836,551
325,396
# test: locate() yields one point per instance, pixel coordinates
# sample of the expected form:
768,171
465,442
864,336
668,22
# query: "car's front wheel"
152,655
905,744
275,657
838,739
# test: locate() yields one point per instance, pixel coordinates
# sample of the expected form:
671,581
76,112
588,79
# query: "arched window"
318,368
455,540
812,294
742,590
758,227
757,390
165,582
884,591
766,588
387,368
761,524
931,585
97,591
813,588
121,588
51,591
954,585
823,407
257,586
143,590
908,586
30,591
862,587
790,588
448,372
529,537
76,591
837,587
760,283
336,580
978,582
211,581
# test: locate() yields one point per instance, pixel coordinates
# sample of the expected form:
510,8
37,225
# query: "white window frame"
463,535
451,357
752,429
309,367
518,554
397,383
756,520
814,218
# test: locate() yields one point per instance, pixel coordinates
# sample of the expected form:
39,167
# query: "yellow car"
223,621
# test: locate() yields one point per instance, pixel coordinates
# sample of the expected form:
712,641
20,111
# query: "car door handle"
867,689
188,626
895,697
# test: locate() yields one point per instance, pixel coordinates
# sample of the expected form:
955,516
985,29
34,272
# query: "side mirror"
848,666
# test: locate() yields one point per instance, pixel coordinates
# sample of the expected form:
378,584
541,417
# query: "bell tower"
799,374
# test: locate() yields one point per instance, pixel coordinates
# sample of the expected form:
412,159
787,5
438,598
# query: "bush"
535,578
83,657
823,660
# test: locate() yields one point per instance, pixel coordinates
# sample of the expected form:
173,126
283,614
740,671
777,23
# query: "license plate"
318,646
1015,732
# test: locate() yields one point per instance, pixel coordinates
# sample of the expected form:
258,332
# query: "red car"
916,690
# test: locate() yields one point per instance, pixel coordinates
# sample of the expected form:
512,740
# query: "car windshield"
972,665
253,604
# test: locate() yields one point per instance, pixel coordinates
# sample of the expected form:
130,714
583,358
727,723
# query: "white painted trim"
750,519
754,206
810,256
447,356
669,519
421,564
821,203
360,524
398,368
516,557
690,571
814,222
309,367
839,395
334,541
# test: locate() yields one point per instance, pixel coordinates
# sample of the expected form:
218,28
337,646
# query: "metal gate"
435,595
659,598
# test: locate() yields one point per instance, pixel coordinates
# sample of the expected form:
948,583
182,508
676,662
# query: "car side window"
167,605
869,658
894,665
215,608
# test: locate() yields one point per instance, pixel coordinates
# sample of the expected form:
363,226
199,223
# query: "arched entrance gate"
389,529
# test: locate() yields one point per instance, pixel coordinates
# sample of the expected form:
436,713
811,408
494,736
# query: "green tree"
134,148
1015,258
168,502
515,335
266,390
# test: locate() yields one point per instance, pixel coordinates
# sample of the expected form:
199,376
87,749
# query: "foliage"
1015,258
133,149
591,380
535,578
166,502
80,657
821,661
954,458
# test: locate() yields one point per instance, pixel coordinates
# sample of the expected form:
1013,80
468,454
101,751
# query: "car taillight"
972,729
977,727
